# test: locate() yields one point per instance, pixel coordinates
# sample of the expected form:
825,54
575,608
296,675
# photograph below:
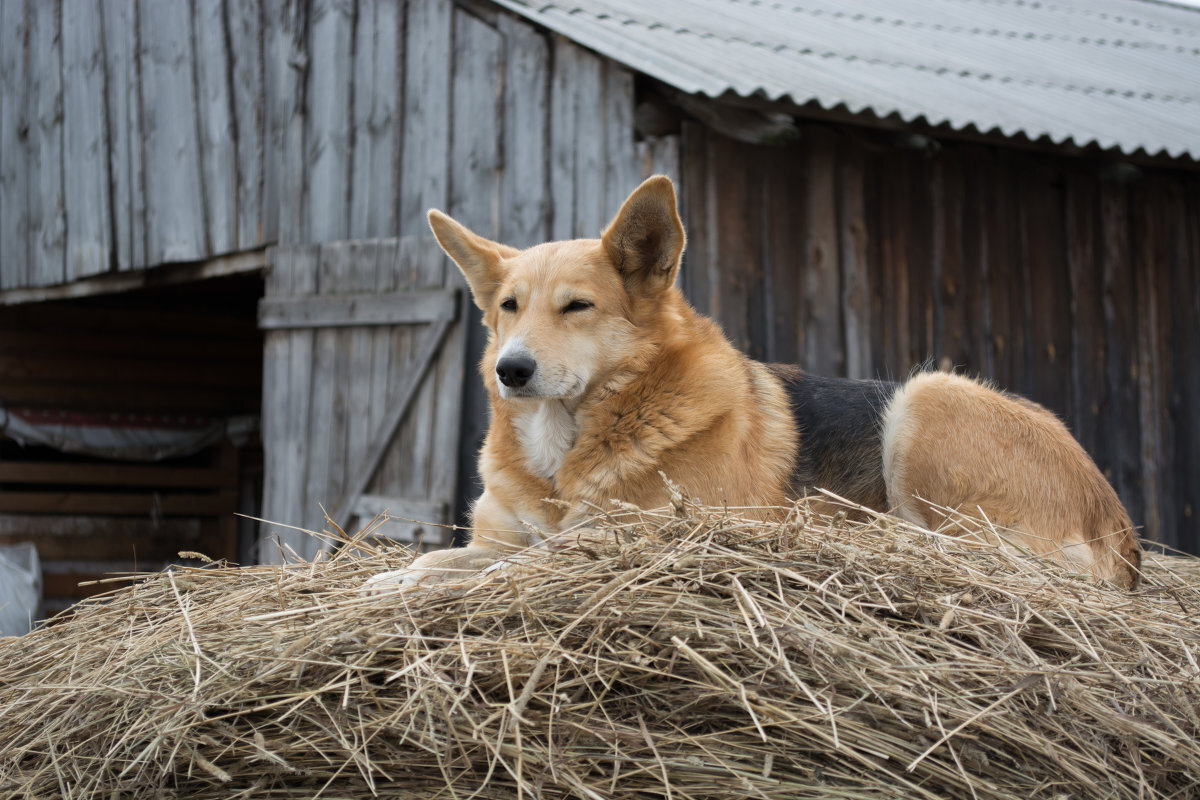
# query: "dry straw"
693,654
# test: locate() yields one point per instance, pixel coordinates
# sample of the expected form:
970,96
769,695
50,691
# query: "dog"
601,376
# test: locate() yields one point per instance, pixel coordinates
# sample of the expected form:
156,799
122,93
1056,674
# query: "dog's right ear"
478,258
645,242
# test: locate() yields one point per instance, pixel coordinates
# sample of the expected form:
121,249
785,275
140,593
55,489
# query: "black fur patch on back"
839,425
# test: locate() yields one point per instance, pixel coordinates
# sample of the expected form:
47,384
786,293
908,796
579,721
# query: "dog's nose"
515,371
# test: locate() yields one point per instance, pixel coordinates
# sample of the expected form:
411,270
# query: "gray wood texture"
86,148
331,311
335,397
176,200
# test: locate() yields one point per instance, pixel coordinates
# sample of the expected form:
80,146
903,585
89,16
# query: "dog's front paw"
436,567
386,582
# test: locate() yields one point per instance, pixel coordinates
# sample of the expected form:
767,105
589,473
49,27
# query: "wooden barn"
218,292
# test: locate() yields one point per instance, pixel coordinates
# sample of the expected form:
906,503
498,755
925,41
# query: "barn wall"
395,108
135,134
1062,279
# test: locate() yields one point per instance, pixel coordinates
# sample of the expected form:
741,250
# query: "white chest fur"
546,433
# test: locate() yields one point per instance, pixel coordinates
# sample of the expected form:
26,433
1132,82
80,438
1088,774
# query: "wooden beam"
370,506
43,527
163,275
115,475
178,504
325,311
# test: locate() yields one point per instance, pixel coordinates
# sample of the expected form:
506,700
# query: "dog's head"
564,317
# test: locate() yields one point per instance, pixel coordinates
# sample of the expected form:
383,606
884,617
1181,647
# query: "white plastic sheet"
20,588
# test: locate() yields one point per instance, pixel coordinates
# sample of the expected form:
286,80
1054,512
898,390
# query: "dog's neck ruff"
546,432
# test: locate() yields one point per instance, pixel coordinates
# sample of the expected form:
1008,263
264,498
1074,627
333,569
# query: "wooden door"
362,389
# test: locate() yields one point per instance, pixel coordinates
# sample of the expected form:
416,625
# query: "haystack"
692,654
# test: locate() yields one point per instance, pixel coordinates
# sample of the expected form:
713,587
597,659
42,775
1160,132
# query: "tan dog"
601,376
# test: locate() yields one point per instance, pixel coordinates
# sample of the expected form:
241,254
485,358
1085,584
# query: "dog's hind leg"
954,443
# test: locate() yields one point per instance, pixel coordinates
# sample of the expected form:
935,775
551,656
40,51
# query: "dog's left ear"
645,241
478,258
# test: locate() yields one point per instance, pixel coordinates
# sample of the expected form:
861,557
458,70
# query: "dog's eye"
577,305
510,304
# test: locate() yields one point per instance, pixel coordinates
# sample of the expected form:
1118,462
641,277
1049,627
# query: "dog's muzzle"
515,371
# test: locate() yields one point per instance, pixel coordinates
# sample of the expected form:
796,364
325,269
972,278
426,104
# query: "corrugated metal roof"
1118,73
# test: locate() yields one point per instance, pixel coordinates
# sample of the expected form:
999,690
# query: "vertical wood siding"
135,134
854,257
393,108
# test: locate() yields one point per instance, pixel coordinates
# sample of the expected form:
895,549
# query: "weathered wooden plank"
321,426
622,171
524,218
33,342
109,321
377,84
1004,283
86,170
697,270
218,130
50,527
113,537
335,275
737,239
130,397
591,121
919,241
1188,366
760,300
409,467
782,174
953,309
427,91
563,134
391,352
413,377
1049,288
175,196
276,361
330,94
47,223
476,114
110,502
421,509
288,378
1120,325
877,280
1172,344
125,368
392,308
14,143
852,254
276,23
248,65
294,195
974,290
892,247
660,156
361,276
1151,259
123,94
1090,390
108,474
824,352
